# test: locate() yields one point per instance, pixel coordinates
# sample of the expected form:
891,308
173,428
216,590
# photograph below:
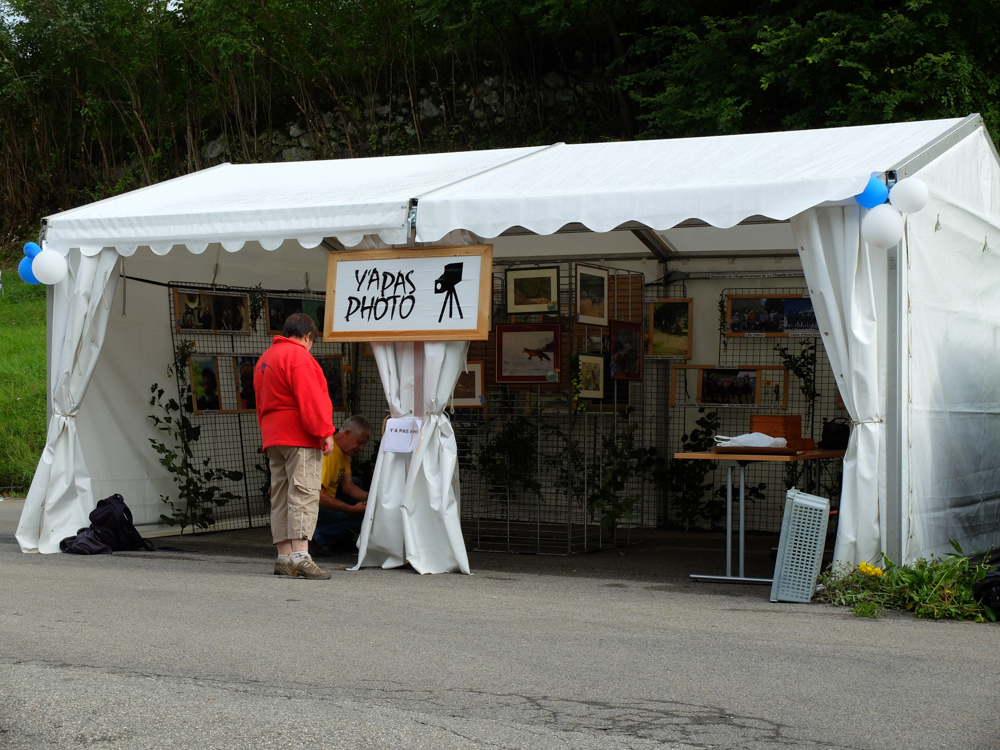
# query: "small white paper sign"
402,434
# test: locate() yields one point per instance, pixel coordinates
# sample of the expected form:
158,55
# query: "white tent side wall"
951,362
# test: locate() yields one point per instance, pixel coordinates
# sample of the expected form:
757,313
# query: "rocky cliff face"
501,112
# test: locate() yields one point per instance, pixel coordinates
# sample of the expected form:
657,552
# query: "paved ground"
203,648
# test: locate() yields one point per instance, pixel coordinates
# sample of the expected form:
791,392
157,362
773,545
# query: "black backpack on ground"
86,542
111,530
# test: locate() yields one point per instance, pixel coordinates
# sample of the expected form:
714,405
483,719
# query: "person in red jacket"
296,424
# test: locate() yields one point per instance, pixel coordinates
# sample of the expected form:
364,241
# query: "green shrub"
940,588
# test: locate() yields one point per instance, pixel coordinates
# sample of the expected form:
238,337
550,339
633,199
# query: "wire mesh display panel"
224,329
764,367
544,469
533,460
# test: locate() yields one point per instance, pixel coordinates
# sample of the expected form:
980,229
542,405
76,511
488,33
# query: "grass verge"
22,381
939,588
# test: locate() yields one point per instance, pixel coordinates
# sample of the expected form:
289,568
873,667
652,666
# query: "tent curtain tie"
856,422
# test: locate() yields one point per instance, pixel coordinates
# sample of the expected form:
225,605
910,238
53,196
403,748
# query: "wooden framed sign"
409,294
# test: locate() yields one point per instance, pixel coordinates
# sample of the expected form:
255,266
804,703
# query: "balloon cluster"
41,266
882,227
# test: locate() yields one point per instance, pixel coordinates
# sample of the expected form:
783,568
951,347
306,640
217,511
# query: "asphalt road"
204,648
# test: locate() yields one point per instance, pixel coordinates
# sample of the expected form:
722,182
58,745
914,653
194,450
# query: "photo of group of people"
225,384
216,312
210,391
279,308
784,315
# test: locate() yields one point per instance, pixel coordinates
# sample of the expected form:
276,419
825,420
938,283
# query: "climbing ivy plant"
198,490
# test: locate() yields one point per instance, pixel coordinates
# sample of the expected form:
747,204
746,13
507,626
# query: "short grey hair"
358,425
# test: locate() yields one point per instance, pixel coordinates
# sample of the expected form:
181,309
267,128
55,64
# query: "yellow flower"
870,570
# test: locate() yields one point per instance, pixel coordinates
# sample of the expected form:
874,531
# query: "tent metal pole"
893,429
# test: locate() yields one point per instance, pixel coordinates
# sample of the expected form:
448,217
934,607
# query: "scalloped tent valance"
720,180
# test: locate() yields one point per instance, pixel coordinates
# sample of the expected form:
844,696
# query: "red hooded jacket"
293,402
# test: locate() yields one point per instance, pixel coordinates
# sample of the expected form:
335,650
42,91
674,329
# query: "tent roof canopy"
719,180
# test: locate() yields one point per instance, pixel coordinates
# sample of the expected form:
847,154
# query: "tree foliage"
102,96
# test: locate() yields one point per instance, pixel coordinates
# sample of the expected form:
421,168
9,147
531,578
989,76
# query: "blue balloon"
874,194
31,249
24,271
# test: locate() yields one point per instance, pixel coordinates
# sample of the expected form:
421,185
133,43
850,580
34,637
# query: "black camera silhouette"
446,282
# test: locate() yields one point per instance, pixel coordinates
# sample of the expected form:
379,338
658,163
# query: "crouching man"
342,499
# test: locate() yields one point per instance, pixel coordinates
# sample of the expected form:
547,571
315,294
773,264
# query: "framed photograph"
547,402
626,350
205,384
336,384
591,376
770,315
591,295
246,399
279,308
744,386
670,332
532,290
198,311
468,393
528,353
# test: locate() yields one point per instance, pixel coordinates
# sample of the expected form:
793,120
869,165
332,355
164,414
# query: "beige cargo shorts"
295,481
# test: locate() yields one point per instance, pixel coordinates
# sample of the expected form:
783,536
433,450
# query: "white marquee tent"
913,333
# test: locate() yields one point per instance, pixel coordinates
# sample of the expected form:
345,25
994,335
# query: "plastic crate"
800,548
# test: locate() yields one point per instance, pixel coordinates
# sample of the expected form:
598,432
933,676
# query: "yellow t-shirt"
335,466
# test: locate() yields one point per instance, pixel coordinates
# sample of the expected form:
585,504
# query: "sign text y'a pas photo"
408,294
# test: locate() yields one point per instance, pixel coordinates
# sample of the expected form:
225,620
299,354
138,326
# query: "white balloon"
909,195
49,267
882,227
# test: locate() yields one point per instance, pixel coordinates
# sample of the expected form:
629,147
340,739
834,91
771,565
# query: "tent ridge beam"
935,148
658,245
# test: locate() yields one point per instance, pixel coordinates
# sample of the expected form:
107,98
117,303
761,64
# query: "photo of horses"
759,386
728,386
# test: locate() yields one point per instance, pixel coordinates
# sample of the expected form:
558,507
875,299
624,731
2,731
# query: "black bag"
987,591
113,519
836,434
86,542
110,529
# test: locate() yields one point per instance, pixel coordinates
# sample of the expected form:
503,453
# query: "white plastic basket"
800,548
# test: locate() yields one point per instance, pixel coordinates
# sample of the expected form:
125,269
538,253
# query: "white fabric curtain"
839,275
413,508
60,498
